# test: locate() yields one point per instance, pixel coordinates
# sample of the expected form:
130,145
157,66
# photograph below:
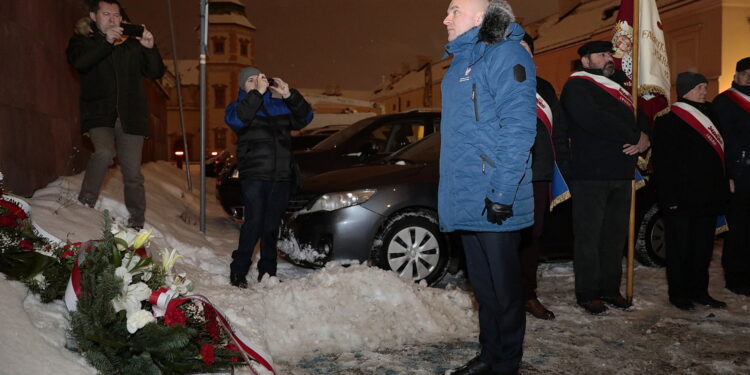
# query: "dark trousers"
600,227
736,255
265,202
493,267
128,150
531,240
690,244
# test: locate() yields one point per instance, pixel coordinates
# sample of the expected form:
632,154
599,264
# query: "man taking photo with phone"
113,106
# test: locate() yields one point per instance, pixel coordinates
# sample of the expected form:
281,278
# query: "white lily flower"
127,236
127,277
138,320
142,237
168,259
179,283
131,298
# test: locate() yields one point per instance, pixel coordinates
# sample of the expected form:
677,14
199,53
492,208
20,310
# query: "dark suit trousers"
736,255
601,210
690,244
494,271
531,240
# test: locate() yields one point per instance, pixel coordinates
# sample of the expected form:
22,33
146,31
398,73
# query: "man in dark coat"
605,141
692,190
733,110
263,124
113,102
542,161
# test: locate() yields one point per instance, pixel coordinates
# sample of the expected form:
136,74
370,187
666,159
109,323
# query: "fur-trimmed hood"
498,17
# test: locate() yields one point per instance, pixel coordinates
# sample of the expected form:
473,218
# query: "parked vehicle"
363,142
386,214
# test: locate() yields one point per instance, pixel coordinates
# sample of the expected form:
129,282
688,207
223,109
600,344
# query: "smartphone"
131,29
271,82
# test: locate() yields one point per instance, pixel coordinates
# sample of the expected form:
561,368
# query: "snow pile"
331,310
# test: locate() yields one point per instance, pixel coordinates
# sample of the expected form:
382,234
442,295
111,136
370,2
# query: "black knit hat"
743,64
687,81
595,47
529,41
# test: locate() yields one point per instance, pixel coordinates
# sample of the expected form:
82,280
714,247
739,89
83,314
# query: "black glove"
496,212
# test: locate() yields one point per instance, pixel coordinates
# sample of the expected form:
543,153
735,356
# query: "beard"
609,69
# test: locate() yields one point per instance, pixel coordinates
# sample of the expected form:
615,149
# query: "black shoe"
537,310
617,301
237,280
682,304
593,307
743,290
710,302
474,367
136,226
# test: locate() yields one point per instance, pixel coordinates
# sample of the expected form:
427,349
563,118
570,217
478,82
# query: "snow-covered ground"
360,320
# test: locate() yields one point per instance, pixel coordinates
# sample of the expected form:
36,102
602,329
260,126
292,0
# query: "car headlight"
335,201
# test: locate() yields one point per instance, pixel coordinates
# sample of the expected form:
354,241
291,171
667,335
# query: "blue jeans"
265,202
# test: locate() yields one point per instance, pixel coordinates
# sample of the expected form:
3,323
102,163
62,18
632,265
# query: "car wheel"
651,249
411,245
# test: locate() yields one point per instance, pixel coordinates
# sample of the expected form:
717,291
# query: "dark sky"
313,43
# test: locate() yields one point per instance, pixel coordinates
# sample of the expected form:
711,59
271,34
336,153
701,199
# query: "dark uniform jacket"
734,125
689,173
263,132
542,154
112,81
597,125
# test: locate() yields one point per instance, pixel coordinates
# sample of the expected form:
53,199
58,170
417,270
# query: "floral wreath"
129,314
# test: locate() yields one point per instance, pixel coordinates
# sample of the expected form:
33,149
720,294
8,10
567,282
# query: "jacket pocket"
475,100
485,162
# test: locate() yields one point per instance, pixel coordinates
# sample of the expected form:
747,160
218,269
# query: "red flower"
26,245
175,316
207,354
233,348
66,254
212,326
8,221
141,252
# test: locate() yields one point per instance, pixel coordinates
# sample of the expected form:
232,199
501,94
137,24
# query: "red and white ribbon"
608,85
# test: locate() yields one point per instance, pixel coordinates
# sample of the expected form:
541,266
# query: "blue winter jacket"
488,127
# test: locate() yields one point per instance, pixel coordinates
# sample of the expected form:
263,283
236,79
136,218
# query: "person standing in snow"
605,141
263,124
542,164
693,190
113,101
488,127
733,110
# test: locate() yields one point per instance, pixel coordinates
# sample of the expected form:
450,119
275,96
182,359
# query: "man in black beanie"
733,110
605,141
692,190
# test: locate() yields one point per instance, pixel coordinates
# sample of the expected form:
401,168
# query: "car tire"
650,248
410,244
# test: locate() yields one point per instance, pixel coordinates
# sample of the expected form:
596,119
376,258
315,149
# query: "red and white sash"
608,85
544,112
739,98
702,124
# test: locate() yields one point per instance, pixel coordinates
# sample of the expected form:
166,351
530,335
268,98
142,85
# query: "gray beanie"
687,81
247,72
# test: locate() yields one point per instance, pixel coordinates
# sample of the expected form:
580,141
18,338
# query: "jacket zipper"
474,99
486,161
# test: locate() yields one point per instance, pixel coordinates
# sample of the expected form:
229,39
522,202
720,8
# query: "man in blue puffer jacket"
264,160
488,127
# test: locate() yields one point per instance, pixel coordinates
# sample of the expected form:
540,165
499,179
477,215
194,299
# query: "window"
220,96
243,46
219,44
220,138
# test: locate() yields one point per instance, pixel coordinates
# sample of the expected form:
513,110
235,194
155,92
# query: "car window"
426,150
337,139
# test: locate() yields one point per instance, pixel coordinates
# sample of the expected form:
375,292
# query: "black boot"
237,280
710,302
474,367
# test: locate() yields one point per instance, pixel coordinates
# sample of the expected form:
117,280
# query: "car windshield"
426,150
341,136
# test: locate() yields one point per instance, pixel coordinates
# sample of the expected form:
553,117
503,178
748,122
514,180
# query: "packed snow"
361,320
